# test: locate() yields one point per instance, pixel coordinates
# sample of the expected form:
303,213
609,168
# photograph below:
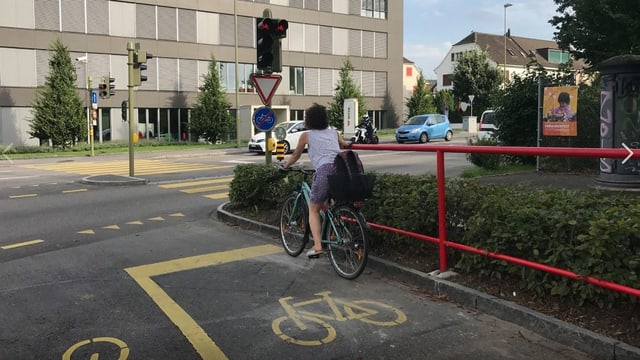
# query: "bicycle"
343,229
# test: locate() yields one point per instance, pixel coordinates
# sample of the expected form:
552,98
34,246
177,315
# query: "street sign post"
94,100
266,85
264,119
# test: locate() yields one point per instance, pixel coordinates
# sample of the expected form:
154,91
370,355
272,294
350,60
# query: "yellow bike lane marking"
124,349
203,344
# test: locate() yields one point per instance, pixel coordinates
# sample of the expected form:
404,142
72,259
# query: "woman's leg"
315,224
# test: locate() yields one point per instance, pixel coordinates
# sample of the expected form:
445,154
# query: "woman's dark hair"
316,117
564,97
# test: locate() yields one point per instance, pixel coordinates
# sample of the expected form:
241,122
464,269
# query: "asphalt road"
147,272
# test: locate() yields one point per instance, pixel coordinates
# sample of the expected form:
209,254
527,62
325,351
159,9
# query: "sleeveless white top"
323,146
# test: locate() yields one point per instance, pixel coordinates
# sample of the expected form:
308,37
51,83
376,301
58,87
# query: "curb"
594,344
113,180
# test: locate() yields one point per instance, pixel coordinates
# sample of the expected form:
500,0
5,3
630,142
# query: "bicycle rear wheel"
294,225
349,248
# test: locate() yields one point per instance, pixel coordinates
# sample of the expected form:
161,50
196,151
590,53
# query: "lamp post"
506,5
85,60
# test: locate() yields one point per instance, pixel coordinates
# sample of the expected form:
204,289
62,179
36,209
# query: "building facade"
519,53
183,36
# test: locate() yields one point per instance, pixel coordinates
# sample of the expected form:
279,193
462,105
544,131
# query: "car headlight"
415,130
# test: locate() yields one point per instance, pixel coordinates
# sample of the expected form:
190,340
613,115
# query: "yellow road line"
205,189
17,245
73,191
22,196
217,196
142,167
204,345
195,183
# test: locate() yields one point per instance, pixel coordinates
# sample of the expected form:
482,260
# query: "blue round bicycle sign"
264,118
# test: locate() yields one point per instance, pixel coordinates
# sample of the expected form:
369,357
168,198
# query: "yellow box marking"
217,196
73,191
17,245
112,227
177,215
195,183
87,232
205,189
203,344
142,167
22,196
138,222
159,218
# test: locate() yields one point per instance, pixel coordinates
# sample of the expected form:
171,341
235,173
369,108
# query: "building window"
558,57
296,80
409,70
374,8
447,79
296,115
228,77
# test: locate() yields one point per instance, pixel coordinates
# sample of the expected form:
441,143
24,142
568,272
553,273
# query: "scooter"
360,136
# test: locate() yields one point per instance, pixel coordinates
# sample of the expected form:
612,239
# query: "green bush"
590,233
485,161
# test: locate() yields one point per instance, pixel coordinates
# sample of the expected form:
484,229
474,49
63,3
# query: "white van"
486,126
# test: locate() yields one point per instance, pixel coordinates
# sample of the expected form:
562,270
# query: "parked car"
423,128
486,126
106,135
293,131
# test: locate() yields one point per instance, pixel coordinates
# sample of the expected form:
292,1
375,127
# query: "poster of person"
560,111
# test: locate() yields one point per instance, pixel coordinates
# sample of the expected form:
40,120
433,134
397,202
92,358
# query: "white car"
486,126
293,131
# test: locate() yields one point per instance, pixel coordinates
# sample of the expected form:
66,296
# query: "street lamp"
506,5
85,60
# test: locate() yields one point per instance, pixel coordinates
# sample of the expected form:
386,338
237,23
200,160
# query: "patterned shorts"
320,183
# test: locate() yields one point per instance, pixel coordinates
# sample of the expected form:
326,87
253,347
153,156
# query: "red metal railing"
442,241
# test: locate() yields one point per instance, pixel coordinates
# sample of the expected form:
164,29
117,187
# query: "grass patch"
502,170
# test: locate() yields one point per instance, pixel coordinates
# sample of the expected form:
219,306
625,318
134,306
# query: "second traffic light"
112,86
102,87
268,49
140,58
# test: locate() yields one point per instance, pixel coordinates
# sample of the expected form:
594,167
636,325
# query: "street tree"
210,117
597,30
345,89
474,75
444,101
58,113
421,100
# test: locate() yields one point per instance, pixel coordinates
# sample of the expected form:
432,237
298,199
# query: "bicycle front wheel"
348,245
294,225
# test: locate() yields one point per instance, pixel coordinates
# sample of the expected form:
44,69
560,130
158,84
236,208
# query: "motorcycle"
361,137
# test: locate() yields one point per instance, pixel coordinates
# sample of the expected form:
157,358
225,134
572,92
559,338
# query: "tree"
421,101
597,30
474,75
58,112
346,89
444,101
210,118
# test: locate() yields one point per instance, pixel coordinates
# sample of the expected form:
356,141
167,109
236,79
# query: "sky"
431,27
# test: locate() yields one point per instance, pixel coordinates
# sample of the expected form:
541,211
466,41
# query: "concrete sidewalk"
596,345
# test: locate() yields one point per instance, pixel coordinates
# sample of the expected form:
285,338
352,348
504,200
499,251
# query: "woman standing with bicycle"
323,144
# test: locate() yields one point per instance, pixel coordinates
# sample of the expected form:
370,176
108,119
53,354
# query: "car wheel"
287,147
449,136
424,138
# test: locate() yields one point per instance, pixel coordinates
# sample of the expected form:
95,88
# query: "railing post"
442,211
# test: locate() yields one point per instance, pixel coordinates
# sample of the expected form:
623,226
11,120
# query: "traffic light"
124,110
103,88
268,47
140,58
112,86
264,44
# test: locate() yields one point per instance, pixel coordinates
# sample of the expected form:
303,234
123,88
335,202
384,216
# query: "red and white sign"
266,85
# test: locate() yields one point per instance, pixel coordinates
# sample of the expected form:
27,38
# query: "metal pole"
130,50
266,13
540,104
235,23
91,141
506,5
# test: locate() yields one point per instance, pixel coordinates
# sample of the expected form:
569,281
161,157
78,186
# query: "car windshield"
416,120
284,125
489,118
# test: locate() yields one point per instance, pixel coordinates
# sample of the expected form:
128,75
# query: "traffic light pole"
130,50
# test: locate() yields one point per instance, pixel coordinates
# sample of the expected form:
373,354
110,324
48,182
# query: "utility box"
470,124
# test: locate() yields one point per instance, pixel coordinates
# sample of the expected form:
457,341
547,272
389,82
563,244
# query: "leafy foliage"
590,233
346,89
58,112
444,101
485,161
597,30
474,75
421,100
210,118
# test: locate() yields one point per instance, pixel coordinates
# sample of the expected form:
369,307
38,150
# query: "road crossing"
121,167
215,189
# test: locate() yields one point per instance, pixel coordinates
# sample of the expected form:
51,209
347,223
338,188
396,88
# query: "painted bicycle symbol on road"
309,328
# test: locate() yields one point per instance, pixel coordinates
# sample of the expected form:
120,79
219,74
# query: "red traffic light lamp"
102,87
